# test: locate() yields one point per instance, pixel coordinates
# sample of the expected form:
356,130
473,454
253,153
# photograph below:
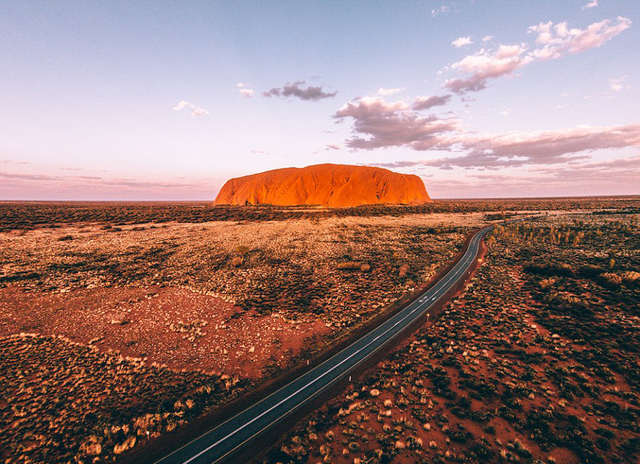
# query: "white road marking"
455,270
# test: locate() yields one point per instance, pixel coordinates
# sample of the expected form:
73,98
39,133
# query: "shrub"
349,266
610,279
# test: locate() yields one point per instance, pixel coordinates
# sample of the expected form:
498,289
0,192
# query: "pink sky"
479,99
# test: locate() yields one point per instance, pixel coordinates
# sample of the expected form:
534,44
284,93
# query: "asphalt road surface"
214,445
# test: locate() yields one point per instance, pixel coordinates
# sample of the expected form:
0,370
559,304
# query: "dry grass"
536,361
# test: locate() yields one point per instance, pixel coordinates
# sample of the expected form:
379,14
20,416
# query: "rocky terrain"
33,215
66,402
123,305
332,185
178,306
537,361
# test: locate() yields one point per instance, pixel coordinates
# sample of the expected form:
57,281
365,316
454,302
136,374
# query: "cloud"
9,175
618,177
461,42
617,84
552,42
244,90
149,184
378,123
439,10
388,92
586,171
96,181
196,112
333,146
487,38
399,164
556,40
392,125
296,90
34,185
7,161
182,105
485,65
591,4
424,103
514,149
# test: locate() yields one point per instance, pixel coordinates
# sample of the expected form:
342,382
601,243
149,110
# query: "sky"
166,100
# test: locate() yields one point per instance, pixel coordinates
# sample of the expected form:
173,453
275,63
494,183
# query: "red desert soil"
535,361
331,185
170,326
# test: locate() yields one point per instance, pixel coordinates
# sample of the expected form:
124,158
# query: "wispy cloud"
591,4
440,10
424,103
333,146
582,177
96,180
485,65
245,90
35,185
552,42
387,92
399,164
297,90
195,111
389,124
558,39
461,42
10,175
378,124
618,83
7,161
514,149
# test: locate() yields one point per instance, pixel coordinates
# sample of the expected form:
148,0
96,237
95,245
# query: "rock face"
332,185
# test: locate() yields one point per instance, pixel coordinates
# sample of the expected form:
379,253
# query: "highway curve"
216,444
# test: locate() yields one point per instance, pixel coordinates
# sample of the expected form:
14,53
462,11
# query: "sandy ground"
499,378
243,299
172,327
156,324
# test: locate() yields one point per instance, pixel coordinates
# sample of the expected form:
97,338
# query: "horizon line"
3,200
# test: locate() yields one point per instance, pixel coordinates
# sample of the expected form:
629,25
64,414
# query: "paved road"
214,445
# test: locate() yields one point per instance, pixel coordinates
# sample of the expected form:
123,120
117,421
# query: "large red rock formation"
333,185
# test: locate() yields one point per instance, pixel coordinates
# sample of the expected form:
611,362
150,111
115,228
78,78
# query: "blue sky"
166,100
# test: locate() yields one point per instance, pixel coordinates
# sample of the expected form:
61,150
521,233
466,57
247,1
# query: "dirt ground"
173,327
509,373
120,323
242,299
199,314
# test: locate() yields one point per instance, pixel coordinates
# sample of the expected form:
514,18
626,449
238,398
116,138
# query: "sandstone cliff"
332,185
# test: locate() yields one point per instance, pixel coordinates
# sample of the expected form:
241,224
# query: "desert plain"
120,323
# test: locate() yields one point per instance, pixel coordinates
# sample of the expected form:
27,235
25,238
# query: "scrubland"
30,215
536,361
121,322
230,303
